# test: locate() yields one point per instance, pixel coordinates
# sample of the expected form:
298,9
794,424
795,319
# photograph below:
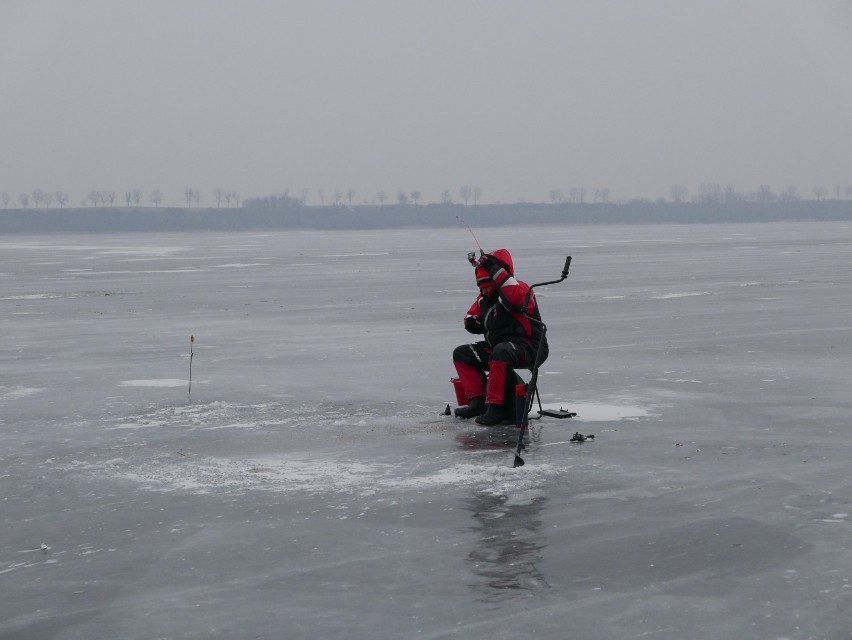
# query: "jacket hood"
505,258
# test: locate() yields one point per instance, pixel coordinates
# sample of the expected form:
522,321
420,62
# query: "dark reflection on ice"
507,552
487,438
502,437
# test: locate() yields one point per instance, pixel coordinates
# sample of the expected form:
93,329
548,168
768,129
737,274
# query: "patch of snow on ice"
145,251
240,265
210,416
322,476
356,255
33,296
210,474
671,296
16,393
593,412
161,382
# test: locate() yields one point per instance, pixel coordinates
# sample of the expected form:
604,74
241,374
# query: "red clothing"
502,318
511,339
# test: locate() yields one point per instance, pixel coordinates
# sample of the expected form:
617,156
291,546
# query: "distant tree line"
468,194
706,193
41,199
279,201
714,193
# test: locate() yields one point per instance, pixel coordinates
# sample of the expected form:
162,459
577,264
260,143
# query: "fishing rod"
471,256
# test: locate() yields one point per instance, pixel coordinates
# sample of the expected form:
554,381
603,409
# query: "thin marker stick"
191,355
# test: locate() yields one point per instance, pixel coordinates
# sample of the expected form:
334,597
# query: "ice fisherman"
511,339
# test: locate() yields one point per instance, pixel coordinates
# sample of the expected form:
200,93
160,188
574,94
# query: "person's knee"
503,352
462,353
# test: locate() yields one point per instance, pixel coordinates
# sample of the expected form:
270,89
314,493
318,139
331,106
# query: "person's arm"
473,319
512,291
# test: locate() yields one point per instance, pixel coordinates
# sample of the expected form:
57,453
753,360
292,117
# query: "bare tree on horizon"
678,193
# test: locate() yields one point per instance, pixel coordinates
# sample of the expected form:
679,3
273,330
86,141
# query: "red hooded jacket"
502,318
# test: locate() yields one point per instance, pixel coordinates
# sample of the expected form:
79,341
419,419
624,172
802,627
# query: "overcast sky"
516,97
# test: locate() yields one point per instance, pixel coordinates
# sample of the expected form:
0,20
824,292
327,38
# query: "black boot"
475,407
494,415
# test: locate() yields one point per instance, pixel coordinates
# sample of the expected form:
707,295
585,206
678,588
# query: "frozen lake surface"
310,488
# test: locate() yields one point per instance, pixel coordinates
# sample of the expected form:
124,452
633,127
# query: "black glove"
489,263
473,324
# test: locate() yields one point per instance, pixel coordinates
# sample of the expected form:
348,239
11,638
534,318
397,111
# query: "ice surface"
310,488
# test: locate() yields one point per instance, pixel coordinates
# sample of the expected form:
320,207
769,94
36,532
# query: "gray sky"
518,97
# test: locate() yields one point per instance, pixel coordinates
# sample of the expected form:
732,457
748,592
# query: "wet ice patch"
492,476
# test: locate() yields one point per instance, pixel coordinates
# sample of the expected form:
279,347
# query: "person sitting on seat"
511,339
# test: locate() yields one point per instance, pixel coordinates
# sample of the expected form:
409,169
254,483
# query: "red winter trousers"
473,361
